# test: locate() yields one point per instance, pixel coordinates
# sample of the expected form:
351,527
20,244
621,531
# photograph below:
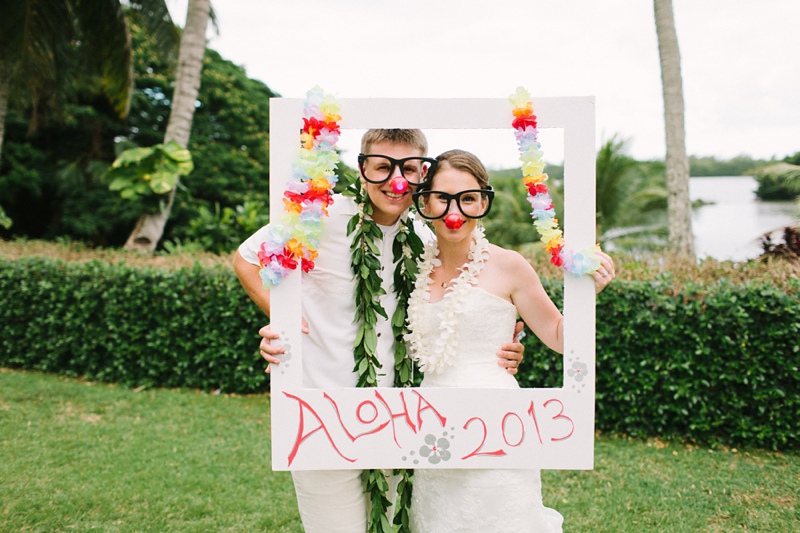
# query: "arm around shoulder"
251,281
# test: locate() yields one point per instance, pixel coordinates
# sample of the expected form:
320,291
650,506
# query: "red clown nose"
399,185
453,221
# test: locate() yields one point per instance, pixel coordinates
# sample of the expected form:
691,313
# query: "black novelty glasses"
473,203
377,168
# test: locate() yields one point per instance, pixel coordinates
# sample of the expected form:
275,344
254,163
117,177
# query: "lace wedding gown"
475,499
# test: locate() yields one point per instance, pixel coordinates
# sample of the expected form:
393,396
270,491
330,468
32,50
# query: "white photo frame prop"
359,428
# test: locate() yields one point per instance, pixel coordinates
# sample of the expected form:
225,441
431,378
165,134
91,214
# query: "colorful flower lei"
545,221
294,238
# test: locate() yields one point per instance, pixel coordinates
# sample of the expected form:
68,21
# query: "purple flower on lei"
540,202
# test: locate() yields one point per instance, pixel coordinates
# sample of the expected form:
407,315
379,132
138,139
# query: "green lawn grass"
76,456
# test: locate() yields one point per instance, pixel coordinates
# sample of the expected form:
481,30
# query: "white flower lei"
441,354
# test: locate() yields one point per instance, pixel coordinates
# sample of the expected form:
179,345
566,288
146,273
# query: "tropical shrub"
714,362
707,352
140,326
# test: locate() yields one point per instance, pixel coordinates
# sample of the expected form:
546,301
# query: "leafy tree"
629,192
65,81
230,135
711,166
613,174
150,227
52,51
229,141
630,201
50,182
509,223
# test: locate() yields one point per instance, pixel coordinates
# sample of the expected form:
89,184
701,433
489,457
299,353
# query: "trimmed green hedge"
190,327
716,363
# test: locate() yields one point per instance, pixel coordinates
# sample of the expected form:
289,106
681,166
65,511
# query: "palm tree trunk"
4,83
679,207
150,227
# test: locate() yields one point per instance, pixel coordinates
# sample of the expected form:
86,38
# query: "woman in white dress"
466,301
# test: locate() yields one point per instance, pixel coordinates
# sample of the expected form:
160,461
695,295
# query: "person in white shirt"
334,500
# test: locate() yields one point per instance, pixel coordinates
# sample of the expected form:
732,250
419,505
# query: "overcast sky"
741,71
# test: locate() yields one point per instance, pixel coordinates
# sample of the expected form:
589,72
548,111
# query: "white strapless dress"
476,499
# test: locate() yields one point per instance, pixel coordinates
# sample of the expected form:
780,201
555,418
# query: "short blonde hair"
412,138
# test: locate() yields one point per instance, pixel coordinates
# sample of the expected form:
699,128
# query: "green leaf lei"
365,264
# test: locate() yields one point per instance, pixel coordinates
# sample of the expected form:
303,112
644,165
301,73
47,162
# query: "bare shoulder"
506,273
508,258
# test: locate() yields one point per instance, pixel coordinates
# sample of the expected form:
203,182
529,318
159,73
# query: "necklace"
451,277
438,355
365,265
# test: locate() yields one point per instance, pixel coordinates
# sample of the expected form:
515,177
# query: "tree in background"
631,196
614,171
630,201
52,189
64,65
53,51
509,223
780,181
741,165
226,197
150,226
679,207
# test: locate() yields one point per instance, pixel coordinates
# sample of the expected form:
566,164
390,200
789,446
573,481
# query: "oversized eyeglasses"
377,168
473,203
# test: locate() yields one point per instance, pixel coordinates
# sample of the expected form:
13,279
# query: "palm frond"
784,171
649,198
108,43
778,181
45,26
154,16
614,170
